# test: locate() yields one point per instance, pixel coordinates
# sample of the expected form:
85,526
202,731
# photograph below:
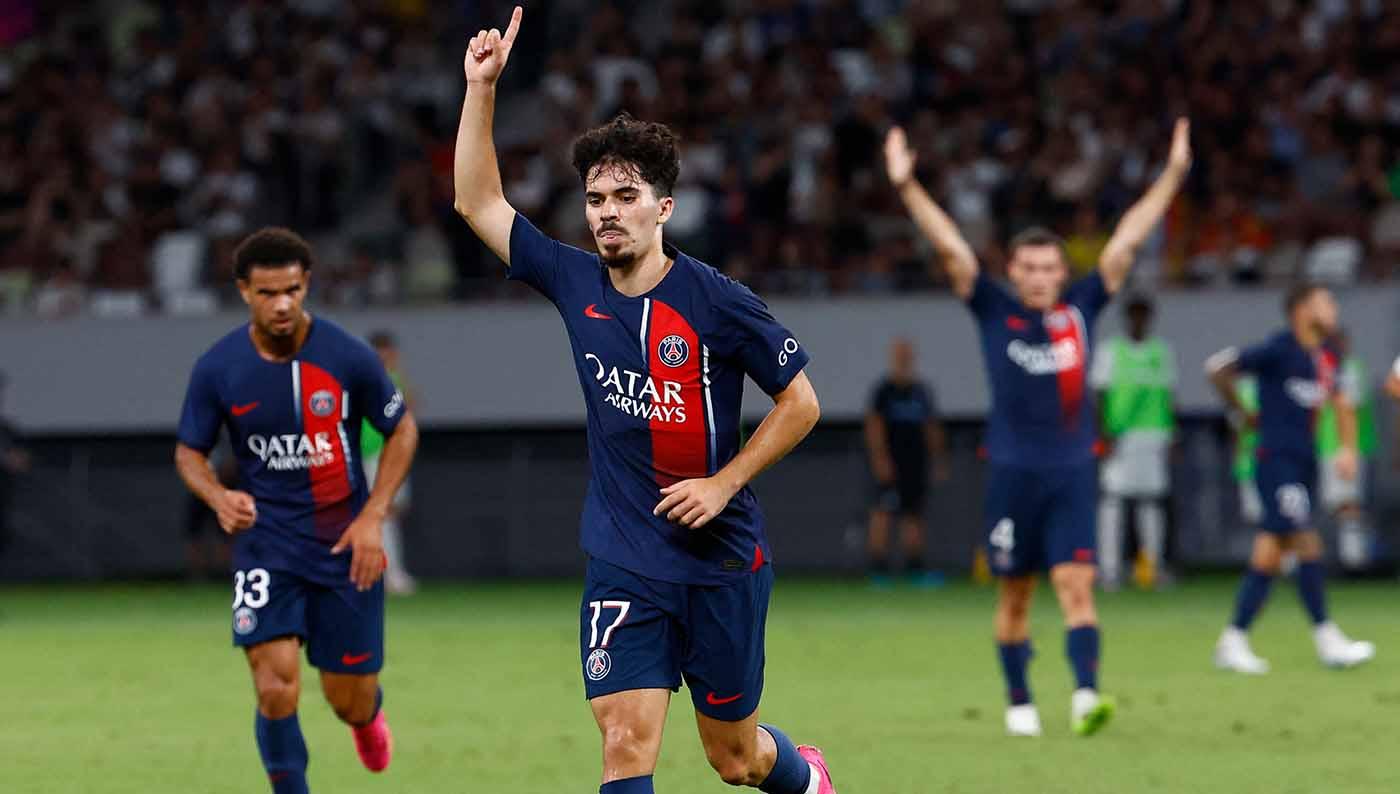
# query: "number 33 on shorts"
250,593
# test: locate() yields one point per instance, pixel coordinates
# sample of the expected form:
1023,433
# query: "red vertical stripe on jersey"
678,448
1065,325
330,483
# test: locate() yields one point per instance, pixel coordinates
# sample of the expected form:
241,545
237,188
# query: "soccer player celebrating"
1295,375
678,574
1042,482
292,391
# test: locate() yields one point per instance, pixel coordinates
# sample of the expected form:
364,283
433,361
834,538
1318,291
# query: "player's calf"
355,699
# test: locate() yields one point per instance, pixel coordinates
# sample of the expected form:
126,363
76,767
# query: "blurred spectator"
121,125
14,461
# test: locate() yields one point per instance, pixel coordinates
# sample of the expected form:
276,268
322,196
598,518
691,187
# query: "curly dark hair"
270,246
644,148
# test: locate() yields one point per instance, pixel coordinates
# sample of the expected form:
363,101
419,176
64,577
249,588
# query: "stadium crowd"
139,141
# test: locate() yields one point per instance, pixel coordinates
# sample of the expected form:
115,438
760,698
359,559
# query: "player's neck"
280,348
643,275
1309,338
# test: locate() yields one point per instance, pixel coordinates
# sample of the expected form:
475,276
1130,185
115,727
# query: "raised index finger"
514,27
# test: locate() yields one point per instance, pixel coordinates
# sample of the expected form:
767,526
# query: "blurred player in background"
678,575
1135,378
1043,482
397,580
14,461
907,448
1345,498
291,390
1295,376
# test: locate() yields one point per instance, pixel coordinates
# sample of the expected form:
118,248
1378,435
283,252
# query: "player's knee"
277,696
350,704
624,745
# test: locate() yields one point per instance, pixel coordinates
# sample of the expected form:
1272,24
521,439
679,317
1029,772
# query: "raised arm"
935,224
1138,222
476,177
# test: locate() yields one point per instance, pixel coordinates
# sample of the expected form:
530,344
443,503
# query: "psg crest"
245,620
673,350
323,403
598,666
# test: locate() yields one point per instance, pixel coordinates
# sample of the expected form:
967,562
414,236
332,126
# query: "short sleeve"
1101,372
747,331
375,393
1089,295
1258,359
203,414
987,296
534,257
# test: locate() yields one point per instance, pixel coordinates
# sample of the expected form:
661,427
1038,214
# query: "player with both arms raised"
1043,480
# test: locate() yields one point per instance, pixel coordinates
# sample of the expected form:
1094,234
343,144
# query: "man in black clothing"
907,448
13,461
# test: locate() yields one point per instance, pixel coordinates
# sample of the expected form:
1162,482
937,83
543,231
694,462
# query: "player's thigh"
628,633
1071,516
345,628
1074,589
268,604
1012,520
631,723
1287,492
729,746
275,666
912,485
725,631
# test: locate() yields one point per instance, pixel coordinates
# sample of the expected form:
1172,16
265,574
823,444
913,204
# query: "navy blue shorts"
640,633
1037,518
342,628
1287,485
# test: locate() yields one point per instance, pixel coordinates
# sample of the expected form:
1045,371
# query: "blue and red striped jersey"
1042,409
1293,383
662,377
295,429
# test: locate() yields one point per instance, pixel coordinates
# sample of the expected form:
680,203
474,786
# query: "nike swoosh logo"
239,410
351,661
592,311
714,701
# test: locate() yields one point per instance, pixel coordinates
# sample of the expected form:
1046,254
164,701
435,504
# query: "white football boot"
1232,652
1336,649
1022,720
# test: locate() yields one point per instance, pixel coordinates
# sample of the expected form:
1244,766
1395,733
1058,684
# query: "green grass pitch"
134,689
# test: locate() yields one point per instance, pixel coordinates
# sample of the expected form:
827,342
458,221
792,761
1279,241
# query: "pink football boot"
813,756
374,742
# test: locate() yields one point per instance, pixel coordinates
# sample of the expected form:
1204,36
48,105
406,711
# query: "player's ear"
667,206
245,290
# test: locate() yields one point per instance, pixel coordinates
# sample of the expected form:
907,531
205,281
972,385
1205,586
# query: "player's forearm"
793,416
193,468
1223,380
875,440
394,462
936,439
476,176
1141,219
1347,429
941,232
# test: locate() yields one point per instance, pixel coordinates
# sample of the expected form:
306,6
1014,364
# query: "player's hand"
236,511
692,503
365,539
1179,158
1392,386
488,52
1242,421
884,470
1347,464
899,158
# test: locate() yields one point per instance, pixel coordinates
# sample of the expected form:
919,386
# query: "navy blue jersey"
1042,411
662,378
294,428
1293,383
906,409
